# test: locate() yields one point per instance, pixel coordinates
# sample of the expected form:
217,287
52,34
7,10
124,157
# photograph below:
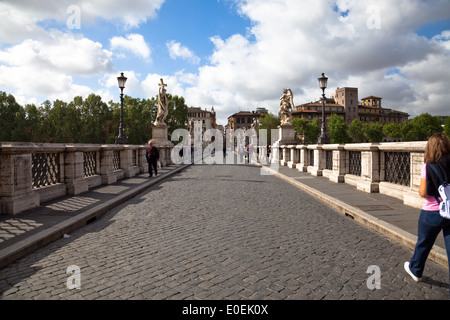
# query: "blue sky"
231,54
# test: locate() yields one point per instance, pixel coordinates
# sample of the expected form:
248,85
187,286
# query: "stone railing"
388,168
32,173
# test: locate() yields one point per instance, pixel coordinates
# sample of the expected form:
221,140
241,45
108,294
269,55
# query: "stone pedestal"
286,134
16,193
161,141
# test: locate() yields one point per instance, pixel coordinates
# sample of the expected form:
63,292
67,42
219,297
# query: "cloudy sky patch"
233,54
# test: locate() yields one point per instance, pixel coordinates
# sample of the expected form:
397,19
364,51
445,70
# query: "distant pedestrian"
241,153
247,154
431,223
152,155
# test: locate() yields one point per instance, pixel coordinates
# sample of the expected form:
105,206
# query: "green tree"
11,114
177,113
64,121
447,127
424,126
312,132
93,119
356,131
139,114
374,132
338,129
393,130
269,122
34,120
300,125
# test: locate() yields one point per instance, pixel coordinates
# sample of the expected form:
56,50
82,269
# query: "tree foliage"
338,130
447,126
419,128
89,120
269,122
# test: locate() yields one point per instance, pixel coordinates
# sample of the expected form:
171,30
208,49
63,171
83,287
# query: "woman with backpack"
437,154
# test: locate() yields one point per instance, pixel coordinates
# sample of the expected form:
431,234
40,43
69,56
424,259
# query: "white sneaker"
406,266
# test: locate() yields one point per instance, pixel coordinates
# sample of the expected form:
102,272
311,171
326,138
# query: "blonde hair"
437,146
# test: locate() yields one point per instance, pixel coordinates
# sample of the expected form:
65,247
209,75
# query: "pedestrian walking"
437,152
241,153
152,155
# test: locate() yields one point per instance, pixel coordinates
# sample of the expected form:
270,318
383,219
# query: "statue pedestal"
161,141
286,134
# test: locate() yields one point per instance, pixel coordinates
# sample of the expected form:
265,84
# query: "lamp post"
324,138
121,139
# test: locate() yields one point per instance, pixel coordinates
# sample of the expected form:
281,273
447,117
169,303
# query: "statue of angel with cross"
162,104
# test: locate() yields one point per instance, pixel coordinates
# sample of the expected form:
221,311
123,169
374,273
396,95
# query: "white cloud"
131,13
46,68
292,42
19,19
176,50
174,84
134,43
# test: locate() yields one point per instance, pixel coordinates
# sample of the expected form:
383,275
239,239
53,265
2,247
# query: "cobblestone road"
221,232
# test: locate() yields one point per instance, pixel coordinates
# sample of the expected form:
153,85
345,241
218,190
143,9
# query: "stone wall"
32,173
388,168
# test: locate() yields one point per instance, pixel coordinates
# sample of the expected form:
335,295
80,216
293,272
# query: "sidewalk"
28,231
382,213
24,233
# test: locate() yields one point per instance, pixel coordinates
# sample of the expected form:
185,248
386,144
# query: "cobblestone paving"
221,232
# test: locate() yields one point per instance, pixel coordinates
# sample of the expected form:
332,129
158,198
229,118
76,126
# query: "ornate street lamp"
324,138
121,139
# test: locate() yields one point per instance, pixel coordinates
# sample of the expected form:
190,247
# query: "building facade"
245,119
344,102
200,120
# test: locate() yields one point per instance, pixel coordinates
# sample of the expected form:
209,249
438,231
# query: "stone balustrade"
388,168
32,173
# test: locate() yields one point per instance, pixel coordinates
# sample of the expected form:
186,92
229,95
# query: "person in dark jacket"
152,155
437,152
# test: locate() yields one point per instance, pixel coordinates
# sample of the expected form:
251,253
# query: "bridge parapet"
32,173
391,168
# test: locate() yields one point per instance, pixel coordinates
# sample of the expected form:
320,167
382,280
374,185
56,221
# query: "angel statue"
162,104
286,106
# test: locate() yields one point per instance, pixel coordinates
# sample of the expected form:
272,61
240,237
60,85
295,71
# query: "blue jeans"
430,224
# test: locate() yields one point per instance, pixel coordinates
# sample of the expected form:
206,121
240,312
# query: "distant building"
244,119
344,102
201,120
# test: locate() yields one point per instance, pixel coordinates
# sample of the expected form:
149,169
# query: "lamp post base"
121,140
324,138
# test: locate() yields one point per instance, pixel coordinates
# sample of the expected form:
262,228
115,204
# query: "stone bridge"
33,173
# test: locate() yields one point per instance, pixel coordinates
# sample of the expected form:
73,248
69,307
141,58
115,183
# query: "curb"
40,239
401,236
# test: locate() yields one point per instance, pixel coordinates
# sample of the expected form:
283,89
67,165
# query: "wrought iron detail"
89,164
354,163
397,168
329,160
134,157
45,169
116,160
